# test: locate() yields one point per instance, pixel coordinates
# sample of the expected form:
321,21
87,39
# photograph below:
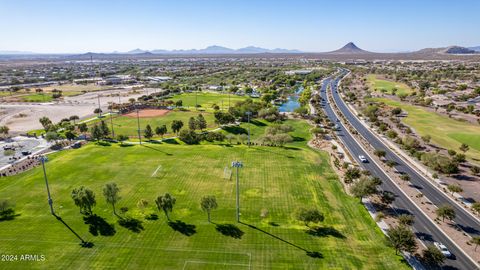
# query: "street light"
238,164
138,125
248,117
50,201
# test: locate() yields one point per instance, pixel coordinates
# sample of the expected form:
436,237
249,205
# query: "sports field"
279,180
207,100
446,132
379,84
127,124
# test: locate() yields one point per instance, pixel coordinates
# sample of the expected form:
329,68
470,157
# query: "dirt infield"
147,113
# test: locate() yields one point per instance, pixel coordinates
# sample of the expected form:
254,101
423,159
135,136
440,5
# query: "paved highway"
424,228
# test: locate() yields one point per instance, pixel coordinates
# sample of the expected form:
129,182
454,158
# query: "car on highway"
363,159
443,249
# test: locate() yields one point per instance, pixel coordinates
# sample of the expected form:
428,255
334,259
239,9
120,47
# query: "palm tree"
165,203
208,203
110,191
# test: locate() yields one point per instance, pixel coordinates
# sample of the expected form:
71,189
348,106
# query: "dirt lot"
148,113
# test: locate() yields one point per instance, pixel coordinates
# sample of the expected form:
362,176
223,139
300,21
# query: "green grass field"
126,125
379,84
36,98
277,179
207,100
446,132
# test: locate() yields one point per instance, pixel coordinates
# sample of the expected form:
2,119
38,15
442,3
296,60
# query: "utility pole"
238,165
196,101
119,97
248,117
138,126
50,201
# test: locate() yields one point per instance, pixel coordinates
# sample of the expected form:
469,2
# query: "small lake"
292,101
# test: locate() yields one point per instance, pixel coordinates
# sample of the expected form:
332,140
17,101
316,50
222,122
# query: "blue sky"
107,25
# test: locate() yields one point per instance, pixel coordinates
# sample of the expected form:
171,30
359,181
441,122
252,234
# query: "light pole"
50,201
238,165
138,126
99,110
111,123
248,117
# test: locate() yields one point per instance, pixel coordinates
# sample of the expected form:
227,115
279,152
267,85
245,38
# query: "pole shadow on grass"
85,244
229,230
313,254
182,227
98,225
156,149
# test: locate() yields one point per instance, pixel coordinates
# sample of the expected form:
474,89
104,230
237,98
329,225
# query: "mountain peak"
349,48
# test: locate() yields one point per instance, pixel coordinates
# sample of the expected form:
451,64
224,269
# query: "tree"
122,138
208,203
192,123
189,136
4,131
110,191
74,118
464,147
406,219
230,137
380,153
96,132
426,138
6,210
364,187
475,170
142,204
46,123
162,130
445,211
352,174
454,188
70,135
476,241
148,133
402,239
387,197
105,131
476,207
82,127
432,256
176,126
223,118
179,103
84,198
201,122
165,203
52,136
308,216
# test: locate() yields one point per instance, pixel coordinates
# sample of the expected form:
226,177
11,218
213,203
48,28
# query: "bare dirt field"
148,113
22,117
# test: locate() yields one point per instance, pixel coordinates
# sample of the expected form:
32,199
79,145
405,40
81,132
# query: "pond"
292,101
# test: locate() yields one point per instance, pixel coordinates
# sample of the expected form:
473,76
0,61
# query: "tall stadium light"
196,100
248,117
50,201
138,126
238,165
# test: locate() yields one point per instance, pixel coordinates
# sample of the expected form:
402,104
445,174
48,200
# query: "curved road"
424,228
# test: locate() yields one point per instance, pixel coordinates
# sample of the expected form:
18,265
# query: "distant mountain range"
215,50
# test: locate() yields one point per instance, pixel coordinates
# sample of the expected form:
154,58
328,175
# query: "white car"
363,159
443,249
